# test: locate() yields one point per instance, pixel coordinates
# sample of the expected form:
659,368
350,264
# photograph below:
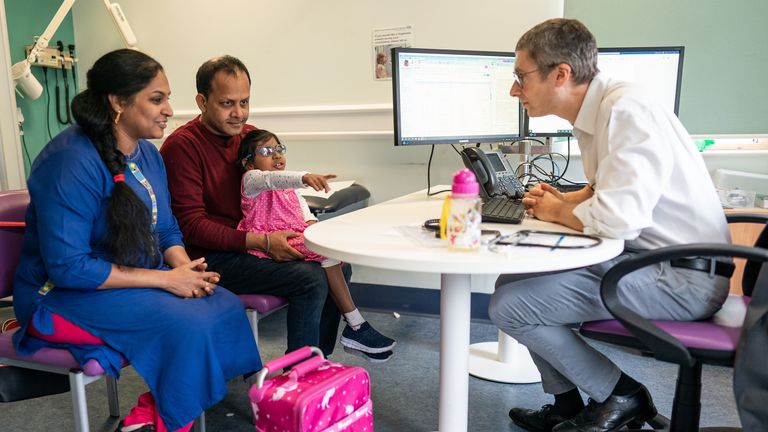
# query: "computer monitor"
658,69
546,126
453,97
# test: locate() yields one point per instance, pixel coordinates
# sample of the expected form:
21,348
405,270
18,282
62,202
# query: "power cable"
24,147
429,168
47,104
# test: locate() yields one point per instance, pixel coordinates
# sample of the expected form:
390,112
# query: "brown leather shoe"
541,420
615,413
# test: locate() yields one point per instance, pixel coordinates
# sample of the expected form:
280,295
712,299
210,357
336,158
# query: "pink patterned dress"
270,203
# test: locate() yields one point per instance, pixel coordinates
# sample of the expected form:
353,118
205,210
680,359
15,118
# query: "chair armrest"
338,200
757,218
751,269
664,346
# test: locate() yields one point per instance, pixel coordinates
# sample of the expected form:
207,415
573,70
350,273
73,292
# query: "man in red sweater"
204,180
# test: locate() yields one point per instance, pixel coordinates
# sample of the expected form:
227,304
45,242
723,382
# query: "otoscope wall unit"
52,58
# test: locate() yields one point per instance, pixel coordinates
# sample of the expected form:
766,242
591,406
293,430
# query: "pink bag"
316,395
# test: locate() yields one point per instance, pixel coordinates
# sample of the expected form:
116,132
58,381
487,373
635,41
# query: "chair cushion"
13,206
719,333
58,357
262,303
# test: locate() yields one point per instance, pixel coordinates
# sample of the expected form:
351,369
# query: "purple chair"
258,306
688,344
13,205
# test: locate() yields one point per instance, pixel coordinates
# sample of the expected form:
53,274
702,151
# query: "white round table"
377,236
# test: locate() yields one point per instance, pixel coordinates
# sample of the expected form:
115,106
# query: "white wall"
301,52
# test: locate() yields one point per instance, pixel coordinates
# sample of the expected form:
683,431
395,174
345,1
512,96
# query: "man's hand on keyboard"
576,196
546,203
539,189
543,201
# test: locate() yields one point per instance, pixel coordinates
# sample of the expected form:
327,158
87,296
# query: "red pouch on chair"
315,395
18,384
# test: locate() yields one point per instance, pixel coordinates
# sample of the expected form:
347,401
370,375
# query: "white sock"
354,319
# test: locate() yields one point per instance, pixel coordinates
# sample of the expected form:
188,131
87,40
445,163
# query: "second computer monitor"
453,97
658,69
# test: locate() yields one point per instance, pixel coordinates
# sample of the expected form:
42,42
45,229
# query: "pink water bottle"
461,217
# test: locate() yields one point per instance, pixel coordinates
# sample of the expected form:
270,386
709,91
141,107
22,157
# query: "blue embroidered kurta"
185,349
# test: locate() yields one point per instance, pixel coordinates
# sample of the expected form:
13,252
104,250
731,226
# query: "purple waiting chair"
258,306
688,344
13,205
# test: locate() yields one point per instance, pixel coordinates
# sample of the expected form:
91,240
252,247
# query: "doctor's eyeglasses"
520,76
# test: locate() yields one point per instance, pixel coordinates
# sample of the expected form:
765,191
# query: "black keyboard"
503,210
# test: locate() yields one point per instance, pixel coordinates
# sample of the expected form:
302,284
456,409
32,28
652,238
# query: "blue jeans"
313,318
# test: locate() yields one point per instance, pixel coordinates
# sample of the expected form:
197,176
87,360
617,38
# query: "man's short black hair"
227,64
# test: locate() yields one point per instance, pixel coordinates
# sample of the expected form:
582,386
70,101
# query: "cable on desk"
429,168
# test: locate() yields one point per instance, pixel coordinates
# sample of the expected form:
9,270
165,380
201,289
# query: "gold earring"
117,117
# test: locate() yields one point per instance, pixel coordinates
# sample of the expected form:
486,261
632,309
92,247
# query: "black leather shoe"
615,413
541,420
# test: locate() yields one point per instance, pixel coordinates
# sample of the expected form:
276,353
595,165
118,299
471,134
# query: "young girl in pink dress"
270,202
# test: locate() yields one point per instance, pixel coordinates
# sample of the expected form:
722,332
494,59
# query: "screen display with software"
453,97
659,70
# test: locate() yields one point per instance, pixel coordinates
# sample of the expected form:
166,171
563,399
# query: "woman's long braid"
130,238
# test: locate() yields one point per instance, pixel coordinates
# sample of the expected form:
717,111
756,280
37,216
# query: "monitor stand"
527,153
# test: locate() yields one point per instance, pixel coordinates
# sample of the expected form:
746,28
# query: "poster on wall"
383,42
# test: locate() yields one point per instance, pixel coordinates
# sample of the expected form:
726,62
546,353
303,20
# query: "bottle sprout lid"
465,183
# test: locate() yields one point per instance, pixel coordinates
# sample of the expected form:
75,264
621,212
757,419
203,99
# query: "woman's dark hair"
122,73
251,141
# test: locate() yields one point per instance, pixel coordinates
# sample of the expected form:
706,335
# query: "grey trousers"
536,309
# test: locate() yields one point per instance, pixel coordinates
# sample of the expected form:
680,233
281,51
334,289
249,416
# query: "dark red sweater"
204,180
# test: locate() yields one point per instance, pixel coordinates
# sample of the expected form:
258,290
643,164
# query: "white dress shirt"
651,186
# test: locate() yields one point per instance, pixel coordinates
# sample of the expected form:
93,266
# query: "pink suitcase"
316,395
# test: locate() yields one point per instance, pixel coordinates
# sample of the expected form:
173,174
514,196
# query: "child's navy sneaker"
366,339
373,358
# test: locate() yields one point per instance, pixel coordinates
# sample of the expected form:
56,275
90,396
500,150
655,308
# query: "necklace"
134,154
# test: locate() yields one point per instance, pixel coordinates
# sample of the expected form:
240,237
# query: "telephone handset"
493,173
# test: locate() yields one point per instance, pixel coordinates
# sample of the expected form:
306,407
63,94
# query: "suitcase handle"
307,366
289,359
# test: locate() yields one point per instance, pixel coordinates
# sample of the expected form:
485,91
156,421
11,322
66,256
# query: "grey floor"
405,389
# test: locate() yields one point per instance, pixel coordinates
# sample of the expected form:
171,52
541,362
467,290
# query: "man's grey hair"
561,40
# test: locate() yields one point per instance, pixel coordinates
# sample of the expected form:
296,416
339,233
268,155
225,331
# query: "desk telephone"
493,172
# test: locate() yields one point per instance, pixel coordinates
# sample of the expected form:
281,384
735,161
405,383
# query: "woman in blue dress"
103,256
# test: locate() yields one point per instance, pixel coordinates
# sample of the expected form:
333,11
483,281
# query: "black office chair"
750,380
688,344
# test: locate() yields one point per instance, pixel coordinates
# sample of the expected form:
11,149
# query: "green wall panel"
27,19
726,53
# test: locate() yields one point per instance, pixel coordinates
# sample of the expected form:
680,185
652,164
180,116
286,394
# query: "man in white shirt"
647,185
